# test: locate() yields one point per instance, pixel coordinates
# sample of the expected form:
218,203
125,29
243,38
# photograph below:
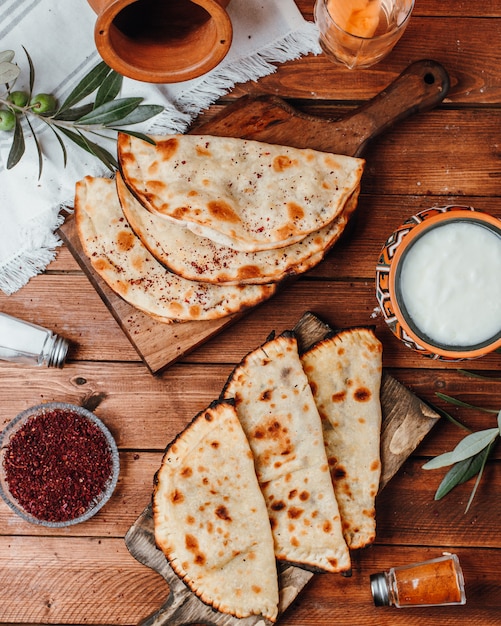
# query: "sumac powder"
57,464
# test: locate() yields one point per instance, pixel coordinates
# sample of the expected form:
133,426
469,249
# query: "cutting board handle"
420,87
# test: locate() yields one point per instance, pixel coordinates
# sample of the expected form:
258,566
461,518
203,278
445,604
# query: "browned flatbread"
344,372
275,406
243,194
198,258
119,257
210,517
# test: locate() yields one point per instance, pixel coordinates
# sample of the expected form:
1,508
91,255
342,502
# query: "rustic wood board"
406,420
422,86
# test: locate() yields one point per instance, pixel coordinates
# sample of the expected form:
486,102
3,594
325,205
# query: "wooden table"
85,574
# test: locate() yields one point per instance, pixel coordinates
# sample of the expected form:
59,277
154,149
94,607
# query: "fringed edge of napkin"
221,80
41,242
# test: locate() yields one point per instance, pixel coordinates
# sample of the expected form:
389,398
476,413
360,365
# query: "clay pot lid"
162,43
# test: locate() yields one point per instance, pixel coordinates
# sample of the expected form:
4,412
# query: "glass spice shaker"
23,342
438,582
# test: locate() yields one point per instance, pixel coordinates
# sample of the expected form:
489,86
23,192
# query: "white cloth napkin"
59,37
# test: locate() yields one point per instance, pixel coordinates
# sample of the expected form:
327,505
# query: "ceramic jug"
162,41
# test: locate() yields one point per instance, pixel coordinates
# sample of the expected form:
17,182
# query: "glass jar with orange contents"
438,582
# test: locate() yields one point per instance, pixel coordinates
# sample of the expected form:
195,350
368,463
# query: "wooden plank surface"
85,575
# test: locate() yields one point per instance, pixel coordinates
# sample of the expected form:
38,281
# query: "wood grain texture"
51,585
144,412
85,575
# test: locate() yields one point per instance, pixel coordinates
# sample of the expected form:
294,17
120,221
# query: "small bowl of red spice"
59,464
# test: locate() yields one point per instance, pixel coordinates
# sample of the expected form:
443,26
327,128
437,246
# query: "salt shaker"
438,582
23,342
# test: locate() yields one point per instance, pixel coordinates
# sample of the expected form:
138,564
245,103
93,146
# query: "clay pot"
162,41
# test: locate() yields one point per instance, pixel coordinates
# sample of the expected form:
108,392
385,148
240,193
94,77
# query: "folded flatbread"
210,518
119,257
345,376
243,194
275,406
198,258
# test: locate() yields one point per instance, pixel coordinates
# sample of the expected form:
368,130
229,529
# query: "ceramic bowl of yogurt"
438,283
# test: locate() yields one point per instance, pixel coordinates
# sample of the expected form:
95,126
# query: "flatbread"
243,194
345,376
198,258
275,406
210,518
119,257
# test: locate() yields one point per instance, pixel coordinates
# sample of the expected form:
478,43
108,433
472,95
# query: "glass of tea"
359,33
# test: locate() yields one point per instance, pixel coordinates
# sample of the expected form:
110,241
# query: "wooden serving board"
406,420
420,87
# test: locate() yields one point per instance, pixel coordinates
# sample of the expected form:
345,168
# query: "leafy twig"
448,416
452,400
469,456
107,114
476,375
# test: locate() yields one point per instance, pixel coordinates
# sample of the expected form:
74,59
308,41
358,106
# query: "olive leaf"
92,148
8,72
479,476
461,472
464,404
468,458
61,144
133,133
469,446
6,56
447,415
75,119
38,148
110,112
89,83
17,148
140,114
109,89
31,69
477,375
73,114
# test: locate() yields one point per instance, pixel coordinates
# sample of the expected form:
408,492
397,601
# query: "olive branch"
67,121
469,457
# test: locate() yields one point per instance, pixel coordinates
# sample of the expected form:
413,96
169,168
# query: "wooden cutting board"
420,87
406,420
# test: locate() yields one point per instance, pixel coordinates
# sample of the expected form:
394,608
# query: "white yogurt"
450,284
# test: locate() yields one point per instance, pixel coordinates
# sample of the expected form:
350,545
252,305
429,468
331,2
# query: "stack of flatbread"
119,257
248,481
197,227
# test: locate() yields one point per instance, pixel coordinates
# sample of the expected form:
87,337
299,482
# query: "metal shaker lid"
57,355
379,588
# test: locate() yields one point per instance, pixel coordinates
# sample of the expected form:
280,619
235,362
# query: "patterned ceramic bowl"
392,288
59,464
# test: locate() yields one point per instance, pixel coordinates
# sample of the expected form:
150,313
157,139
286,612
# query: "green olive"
7,120
43,103
19,98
